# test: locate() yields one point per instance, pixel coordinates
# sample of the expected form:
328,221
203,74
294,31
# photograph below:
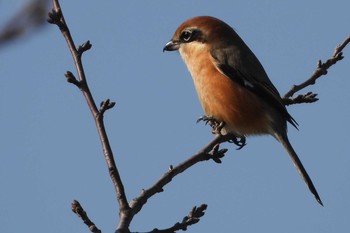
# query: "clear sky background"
50,152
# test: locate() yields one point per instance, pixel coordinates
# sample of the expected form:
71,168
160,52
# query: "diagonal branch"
322,69
78,210
210,151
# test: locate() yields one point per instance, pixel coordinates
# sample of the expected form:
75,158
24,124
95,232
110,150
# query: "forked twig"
322,69
192,218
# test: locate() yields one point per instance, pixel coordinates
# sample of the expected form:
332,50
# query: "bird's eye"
186,35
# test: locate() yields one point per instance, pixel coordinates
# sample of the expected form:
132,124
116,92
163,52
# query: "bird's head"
204,31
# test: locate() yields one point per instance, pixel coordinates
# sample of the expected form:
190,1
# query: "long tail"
298,165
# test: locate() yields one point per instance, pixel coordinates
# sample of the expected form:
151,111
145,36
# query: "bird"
233,86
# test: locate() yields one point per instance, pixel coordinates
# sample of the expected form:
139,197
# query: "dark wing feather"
242,67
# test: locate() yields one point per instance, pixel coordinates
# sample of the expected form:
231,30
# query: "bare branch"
56,17
78,210
192,218
341,46
300,99
322,69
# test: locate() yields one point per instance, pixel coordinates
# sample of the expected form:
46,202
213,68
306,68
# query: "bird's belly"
241,110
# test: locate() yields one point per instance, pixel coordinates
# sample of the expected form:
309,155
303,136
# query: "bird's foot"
215,124
239,141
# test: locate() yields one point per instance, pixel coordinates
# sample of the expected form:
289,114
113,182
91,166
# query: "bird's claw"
215,124
239,141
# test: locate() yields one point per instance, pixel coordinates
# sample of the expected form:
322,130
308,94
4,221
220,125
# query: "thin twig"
192,218
341,46
56,17
80,212
309,97
322,69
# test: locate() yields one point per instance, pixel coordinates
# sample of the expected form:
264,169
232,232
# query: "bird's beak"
171,46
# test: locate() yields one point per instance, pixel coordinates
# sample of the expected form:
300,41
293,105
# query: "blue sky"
51,154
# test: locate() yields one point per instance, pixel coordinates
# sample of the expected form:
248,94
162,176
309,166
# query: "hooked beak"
171,46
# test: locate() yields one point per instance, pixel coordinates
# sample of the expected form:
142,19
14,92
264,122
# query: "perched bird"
232,85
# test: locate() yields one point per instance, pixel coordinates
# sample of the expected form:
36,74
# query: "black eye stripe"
191,34
186,35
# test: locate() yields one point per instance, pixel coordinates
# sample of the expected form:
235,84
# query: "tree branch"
56,17
80,212
192,218
322,69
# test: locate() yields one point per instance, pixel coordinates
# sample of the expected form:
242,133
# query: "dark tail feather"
299,166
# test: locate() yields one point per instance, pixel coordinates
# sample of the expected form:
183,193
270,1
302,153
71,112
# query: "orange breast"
222,98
